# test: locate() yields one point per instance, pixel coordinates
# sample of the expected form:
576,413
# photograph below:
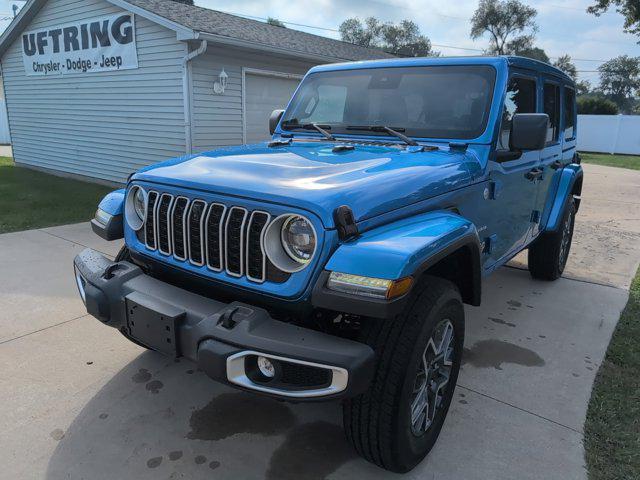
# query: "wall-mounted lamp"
220,86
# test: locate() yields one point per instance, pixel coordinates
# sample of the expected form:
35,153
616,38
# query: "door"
264,92
512,186
551,159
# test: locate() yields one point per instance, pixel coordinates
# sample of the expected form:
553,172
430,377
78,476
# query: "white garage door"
263,95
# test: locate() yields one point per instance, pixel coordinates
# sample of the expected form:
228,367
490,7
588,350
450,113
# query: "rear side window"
552,108
569,113
520,98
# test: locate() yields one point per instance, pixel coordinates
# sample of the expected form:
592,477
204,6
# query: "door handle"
534,174
557,164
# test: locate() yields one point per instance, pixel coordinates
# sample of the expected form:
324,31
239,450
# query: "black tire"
378,423
549,253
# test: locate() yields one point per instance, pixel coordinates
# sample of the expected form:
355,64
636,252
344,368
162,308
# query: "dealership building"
100,88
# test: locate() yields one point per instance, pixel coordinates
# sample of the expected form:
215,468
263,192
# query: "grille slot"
179,227
234,241
150,224
222,238
194,232
214,226
163,230
256,258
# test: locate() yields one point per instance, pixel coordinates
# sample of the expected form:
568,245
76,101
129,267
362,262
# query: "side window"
520,98
569,113
552,108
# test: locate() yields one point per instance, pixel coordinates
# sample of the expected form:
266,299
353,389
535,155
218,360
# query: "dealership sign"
97,45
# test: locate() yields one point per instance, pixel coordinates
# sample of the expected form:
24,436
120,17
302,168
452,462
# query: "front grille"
220,237
178,228
163,232
234,241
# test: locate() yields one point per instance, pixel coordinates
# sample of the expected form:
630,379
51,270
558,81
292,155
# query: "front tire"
549,253
417,353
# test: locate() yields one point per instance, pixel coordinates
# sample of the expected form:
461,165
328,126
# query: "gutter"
187,96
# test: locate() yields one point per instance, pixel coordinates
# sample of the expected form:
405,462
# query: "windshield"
424,102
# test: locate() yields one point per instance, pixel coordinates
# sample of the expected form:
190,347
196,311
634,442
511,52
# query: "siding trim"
264,73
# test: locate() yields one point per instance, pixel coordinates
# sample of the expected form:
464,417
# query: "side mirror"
274,120
529,131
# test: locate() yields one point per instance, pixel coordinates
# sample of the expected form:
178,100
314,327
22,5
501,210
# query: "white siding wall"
102,125
217,119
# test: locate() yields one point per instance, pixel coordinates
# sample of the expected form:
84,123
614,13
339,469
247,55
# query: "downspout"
187,94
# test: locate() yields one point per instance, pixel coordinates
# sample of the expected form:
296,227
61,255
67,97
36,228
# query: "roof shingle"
226,25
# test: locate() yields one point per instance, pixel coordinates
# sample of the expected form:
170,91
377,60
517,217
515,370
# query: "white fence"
609,133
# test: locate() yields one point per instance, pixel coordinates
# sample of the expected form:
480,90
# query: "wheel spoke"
419,407
447,335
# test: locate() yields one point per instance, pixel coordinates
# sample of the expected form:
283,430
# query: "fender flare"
408,247
569,186
113,202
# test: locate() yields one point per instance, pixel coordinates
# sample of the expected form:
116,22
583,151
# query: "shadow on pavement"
159,418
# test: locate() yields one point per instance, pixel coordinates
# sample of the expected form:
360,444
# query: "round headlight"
290,242
139,201
135,207
298,239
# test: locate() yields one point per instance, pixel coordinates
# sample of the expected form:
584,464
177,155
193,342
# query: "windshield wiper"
382,128
311,126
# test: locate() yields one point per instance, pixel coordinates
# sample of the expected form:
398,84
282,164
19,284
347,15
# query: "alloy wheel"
432,378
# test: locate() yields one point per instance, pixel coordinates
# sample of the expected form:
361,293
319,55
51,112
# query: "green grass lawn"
612,429
31,199
622,161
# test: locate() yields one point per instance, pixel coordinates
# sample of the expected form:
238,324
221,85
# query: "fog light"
266,367
80,281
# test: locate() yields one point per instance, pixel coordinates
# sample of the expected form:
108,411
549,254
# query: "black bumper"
221,337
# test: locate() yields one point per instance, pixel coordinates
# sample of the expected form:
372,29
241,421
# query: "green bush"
589,105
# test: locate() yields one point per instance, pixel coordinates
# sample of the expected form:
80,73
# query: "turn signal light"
369,286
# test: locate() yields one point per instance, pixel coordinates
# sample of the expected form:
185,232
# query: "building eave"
236,42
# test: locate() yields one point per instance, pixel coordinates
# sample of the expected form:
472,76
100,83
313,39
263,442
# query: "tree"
620,80
565,64
583,87
275,22
629,8
403,39
523,47
502,20
596,105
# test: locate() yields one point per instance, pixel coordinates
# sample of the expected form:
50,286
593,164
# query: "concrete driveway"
82,402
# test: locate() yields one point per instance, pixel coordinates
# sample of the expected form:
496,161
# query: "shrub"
589,105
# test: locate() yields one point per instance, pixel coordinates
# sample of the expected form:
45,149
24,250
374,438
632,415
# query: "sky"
565,26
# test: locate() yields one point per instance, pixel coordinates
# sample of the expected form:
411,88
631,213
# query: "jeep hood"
370,179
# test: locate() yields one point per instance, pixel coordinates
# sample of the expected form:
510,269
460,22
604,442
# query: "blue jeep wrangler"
334,261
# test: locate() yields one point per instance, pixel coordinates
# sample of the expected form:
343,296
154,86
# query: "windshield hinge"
458,146
279,143
345,223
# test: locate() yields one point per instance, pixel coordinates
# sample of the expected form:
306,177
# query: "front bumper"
224,339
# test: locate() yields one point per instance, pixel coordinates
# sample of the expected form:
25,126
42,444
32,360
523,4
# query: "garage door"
263,95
